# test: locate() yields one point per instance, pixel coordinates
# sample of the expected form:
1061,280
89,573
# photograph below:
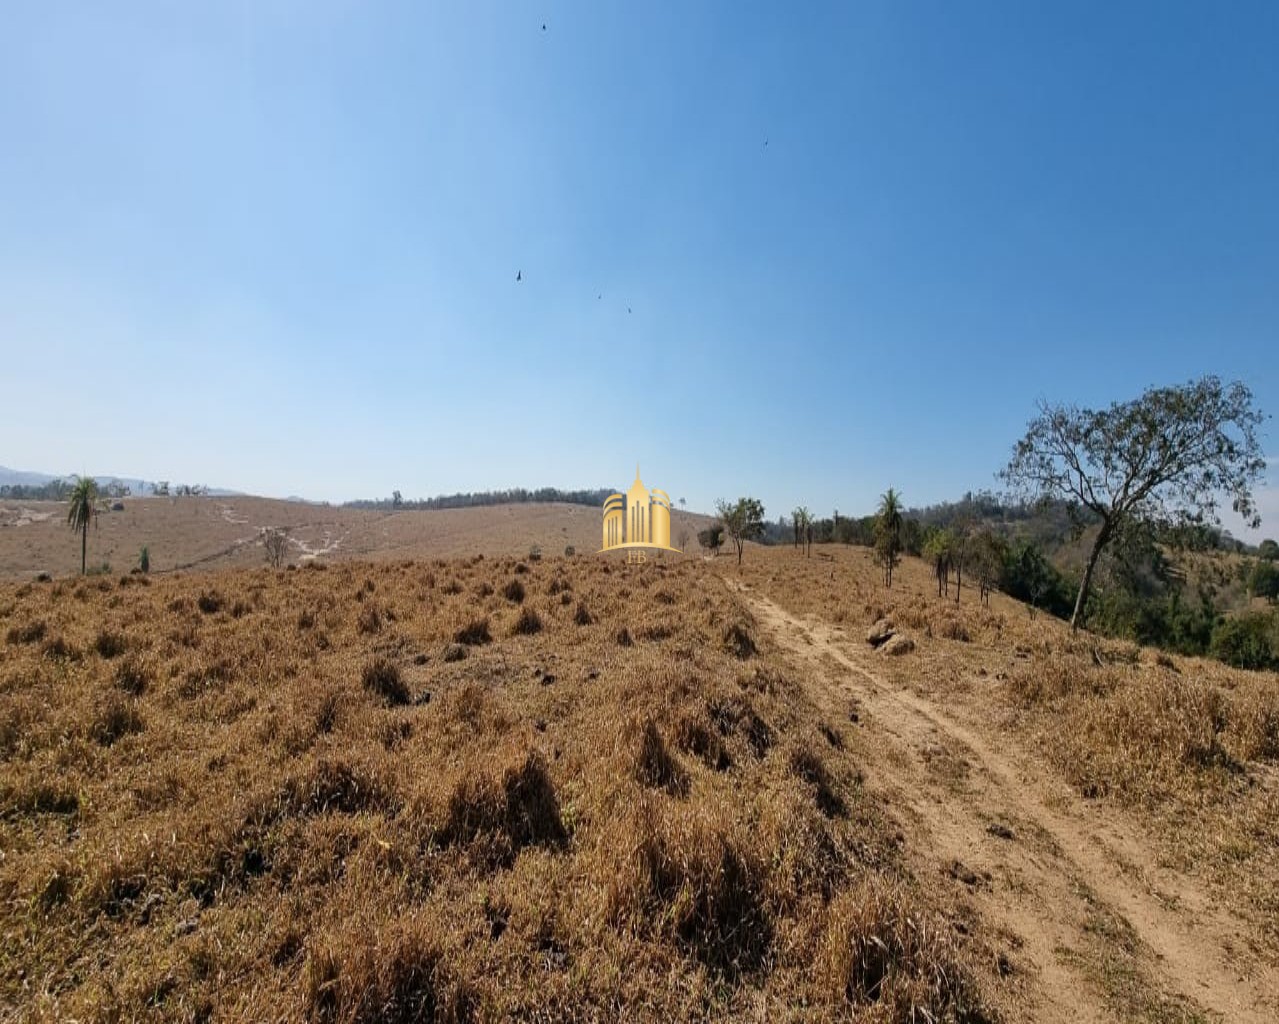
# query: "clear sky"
798,251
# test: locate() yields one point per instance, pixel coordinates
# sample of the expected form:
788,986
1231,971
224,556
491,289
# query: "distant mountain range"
26,478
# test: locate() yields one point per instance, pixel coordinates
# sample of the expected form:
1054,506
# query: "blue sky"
273,246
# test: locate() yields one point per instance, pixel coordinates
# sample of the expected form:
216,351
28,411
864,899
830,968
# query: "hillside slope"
217,533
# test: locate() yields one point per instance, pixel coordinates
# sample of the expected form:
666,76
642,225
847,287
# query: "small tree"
711,538
276,541
743,520
683,538
888,527
144,559
1167,455
162,489
802,520
397,499
1264,581
1268,550
82,511
988,552
937,550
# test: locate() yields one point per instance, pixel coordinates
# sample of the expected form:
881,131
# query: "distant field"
220,533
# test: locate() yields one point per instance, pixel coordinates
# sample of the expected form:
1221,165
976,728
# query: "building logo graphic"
638,520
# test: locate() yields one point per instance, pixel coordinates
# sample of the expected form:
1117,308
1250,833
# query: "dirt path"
1101,930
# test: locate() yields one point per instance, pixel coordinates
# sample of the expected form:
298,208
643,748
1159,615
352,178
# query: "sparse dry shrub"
1146,739
528,623
110,644
451,587
306,619
115,719
623,637
31,792
807,765
381,676
655,766
738,640
695,734
339,784
210,602
733,715
880,952
474,633
1050,680
397,974
485,589
501,813
1254,725
954,629
693,881
133,675
514,591
370,619
58,648
27,633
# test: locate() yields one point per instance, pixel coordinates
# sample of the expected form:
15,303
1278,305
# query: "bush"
1246,642
382,677
527,624
110,645
474,633
514,591
210,602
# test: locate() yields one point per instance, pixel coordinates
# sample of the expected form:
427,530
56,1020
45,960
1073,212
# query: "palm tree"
83,511
888,527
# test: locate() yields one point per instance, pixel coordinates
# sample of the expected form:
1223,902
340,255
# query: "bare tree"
276,541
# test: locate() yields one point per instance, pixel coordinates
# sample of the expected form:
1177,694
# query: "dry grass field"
219,533
471,789
485,788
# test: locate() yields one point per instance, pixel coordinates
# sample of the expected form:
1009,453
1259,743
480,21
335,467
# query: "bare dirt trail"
1096,926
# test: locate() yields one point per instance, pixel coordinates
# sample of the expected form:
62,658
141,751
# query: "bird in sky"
628,309
519,275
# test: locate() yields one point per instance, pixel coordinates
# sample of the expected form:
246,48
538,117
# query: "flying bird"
519,275
543,26
628,309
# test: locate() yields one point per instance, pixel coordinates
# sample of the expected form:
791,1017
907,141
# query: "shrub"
569,551
1245,642
132,676
655,767
583,615
115,719
109,644
879,952
210,602
396,976
527,624
738,640
474,633
535,554
806,765
514,591
31,633
507,813
382,677
370,619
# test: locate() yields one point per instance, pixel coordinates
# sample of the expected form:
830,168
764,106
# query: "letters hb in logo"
638,520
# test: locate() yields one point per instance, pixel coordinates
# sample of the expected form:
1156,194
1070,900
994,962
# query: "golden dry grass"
412,791
220,533
1187,744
